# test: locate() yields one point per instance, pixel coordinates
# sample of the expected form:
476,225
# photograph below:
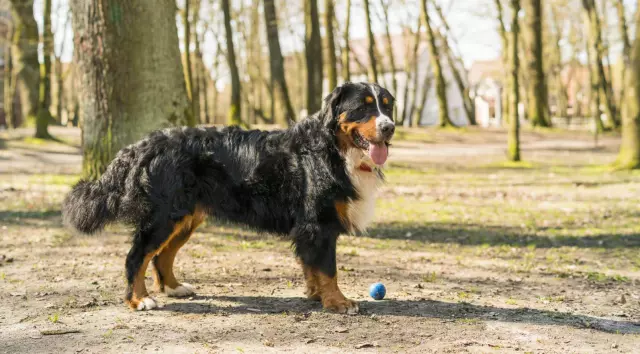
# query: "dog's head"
360,115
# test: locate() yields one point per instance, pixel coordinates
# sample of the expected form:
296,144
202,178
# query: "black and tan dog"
310,182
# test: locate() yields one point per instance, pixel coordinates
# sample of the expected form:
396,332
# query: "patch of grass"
54,179
511,301
430,277
603,278
516,165
463,295
54,318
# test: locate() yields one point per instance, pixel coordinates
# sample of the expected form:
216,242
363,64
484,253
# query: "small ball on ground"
377,291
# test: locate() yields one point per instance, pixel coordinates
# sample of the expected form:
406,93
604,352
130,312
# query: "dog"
311,182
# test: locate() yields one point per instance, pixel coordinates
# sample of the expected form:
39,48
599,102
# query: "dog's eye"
385,100
368,99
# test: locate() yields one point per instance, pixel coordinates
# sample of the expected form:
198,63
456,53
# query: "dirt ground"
477,255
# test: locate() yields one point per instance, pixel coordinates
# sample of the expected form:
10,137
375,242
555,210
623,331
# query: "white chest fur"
360,212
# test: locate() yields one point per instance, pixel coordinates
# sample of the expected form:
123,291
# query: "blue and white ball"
377,291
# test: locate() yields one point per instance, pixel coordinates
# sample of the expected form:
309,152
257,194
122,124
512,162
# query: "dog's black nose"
386,129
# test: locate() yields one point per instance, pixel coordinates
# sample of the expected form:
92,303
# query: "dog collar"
364,167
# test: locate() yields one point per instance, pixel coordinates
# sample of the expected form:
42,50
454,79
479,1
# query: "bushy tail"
90,206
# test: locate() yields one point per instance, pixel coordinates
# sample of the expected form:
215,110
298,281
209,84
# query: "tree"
346,72
188,71
626,48
629,155
123,96
9,82
44,102
372,69
329,15
438,75
59,73
560,89
505,60
24,55
538,107
276,62
513,150
196,63
409,68
236,98
313,56
595,40
386,4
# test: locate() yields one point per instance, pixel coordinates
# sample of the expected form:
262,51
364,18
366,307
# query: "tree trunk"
235,108
438,75
313,56
332,73
505,62
629,155
538,107
594,93
426,86
276,62
9,92
626,50
513,141
561,90
121,47
197,64
44,114
595,37
346,71
188,71
24,53
408,70
372,69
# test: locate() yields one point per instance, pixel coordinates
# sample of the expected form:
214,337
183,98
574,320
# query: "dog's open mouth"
378,152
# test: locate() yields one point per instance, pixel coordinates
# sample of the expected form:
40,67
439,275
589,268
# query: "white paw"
147,303
181,290
353,310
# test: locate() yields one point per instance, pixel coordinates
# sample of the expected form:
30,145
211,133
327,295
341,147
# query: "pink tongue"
378,153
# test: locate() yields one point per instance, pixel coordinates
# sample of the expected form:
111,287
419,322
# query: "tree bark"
346,70
372,69
188,71
426,87
629,155
561,90
313,56
626,50
408,63
595,38
332,73
121,47
197,64
8,83
235,108
505,62
438,75
44,114
24,53
276,62
538,107
594,93
513,141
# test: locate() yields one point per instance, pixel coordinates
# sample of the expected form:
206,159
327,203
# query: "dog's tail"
91,205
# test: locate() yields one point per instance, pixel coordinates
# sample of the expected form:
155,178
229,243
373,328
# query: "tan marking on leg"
164,278
139,293
311,282
327,289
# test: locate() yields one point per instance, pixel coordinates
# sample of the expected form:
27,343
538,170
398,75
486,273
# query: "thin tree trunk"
24,53
385,4
9,92
538,107
595,35
372,69
438,75
123,97
332,73
346,71
594,93
58,67
197,64
629,155
188,73
426,86
313,56
626,50
44,103
276,62
456,64
513,141
235,109
408,63
561,90
505,62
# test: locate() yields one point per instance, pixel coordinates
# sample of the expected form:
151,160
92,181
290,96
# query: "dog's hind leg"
137,262
164,278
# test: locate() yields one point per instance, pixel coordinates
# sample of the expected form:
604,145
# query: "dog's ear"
331,109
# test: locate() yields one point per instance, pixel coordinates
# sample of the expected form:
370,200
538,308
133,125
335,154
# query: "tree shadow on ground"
474,234
410,308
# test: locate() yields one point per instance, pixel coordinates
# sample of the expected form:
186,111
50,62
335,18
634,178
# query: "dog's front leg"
316,250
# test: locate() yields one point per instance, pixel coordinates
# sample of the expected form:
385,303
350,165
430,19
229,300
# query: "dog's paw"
181,290
341,305
145,304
